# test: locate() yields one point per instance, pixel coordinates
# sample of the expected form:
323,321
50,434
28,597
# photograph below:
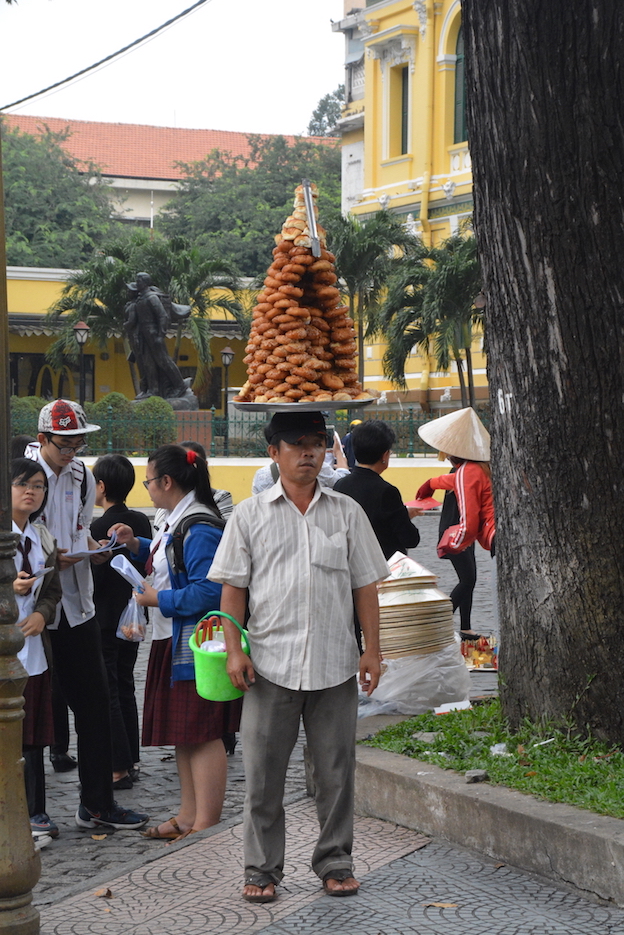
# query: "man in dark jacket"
391,520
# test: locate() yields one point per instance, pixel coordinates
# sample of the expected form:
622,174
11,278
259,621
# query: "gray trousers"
269,730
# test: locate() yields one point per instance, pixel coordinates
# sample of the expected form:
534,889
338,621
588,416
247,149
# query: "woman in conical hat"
468,510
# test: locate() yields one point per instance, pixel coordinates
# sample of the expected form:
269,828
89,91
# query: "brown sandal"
168,836
182,835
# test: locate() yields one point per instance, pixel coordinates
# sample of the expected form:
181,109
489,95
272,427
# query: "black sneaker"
42,824
116,817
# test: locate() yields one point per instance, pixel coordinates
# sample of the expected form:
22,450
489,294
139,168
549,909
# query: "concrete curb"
565,844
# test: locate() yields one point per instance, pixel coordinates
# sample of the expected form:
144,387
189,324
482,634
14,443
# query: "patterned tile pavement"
410,887
194,887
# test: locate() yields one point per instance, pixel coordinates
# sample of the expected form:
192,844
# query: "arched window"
460,91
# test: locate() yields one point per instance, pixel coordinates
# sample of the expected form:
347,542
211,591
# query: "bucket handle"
205,626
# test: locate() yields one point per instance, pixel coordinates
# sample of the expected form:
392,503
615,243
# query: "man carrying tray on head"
306,556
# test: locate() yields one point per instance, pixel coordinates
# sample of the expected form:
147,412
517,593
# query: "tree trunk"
360,333
470,375
545,86
460,376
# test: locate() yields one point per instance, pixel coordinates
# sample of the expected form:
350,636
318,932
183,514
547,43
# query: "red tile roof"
130,150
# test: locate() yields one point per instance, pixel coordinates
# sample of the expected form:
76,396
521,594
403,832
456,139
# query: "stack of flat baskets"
416,618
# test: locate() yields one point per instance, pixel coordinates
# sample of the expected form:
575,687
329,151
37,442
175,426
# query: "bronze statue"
149,314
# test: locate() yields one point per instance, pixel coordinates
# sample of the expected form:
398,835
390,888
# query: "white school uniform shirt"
70,523
301,570
32,655
162,627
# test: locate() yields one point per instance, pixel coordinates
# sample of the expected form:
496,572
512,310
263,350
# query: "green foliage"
550,761
365,256
430,301
98,293
54,215
25,414
158,423
235,206
326,114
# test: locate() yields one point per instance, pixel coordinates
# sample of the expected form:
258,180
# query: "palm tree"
430,303
98,295
401,318
365,253
191,277
449,310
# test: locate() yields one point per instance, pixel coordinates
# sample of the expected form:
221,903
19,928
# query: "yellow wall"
34,291
236,475
393,39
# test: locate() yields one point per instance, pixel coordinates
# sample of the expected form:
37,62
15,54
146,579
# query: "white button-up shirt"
162,627
69,521
301,570
32,655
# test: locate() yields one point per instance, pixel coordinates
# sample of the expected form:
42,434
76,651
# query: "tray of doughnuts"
302,344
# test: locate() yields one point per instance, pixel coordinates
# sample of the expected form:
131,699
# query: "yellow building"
31,292
404,147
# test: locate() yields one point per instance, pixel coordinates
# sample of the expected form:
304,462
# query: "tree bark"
545,85
460,376
360,333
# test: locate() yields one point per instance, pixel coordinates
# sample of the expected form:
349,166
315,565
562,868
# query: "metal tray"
324,405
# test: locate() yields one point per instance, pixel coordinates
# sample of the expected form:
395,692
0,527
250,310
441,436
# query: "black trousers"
465,565
79,668
60,717
119,658
34,777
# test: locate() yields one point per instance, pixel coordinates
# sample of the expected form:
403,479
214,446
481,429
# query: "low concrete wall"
236,475
566,844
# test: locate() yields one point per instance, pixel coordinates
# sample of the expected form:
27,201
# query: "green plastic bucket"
211,678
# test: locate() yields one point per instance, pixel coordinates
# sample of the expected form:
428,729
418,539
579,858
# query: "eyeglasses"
71,449
24,485
146,483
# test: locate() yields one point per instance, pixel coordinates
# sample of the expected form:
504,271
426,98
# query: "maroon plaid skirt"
37,729
175,714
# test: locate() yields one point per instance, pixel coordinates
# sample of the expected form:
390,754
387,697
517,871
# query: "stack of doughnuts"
302,342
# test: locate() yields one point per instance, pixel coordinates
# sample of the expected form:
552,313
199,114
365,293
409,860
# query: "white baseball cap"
64,417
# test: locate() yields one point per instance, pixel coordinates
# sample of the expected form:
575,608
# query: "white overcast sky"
256,66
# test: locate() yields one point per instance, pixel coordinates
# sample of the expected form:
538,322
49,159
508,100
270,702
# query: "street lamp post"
20,865
227,356
81,332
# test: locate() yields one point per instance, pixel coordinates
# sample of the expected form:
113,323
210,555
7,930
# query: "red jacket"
473,490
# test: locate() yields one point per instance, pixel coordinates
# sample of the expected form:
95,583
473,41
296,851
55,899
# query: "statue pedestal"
187,402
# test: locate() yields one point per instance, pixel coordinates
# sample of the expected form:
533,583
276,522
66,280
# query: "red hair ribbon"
191,456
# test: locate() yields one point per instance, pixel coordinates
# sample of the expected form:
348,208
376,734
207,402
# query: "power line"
108,58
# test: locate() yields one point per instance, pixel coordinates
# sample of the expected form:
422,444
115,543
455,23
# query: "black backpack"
177,539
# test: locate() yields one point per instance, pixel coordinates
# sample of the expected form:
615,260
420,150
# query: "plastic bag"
131,625
415,684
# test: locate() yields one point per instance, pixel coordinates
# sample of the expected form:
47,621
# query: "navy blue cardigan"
191,596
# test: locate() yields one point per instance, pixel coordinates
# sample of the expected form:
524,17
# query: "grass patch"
575,770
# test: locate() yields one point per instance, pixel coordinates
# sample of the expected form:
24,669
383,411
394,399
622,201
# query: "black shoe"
124,783
63,762
116,817
135,773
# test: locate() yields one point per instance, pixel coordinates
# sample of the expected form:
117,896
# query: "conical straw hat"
460,434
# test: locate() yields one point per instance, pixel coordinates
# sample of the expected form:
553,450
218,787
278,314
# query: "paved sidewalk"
409,887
